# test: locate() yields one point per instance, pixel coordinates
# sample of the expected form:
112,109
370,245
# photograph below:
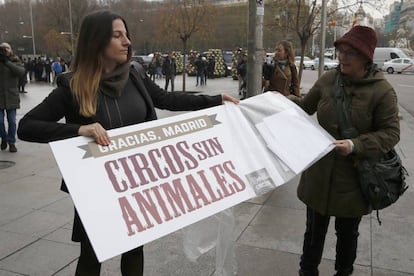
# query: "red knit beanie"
361,38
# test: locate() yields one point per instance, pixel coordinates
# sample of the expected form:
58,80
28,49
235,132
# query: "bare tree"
304,18
184,18
57,44
305,26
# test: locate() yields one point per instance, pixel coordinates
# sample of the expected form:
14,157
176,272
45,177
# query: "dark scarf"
112,84
282,63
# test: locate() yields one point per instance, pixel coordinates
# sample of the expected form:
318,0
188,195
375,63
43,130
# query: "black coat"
42,124
10,73
169,67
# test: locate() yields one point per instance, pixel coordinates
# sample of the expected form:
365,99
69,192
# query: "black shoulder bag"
382,181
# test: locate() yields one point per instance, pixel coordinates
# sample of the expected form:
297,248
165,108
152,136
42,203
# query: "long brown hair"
289,49
94,36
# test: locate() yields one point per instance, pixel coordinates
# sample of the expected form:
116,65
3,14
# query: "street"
36,217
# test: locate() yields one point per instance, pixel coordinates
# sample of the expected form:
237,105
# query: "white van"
383,54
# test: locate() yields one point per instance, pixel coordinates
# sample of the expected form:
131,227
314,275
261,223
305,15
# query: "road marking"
405,85
407,68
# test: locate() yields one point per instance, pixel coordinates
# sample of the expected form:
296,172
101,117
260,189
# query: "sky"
368,8
376,8
379,14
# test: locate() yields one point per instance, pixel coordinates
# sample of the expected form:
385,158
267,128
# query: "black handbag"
382,181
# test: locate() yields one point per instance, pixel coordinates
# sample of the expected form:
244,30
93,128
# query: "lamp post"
31,22
29,37
3,34
71,28
71,39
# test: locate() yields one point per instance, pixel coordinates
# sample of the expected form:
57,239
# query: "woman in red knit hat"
330,188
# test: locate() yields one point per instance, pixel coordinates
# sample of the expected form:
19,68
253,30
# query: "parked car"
383,54
328,63
270,58
307,62
144,60
399,65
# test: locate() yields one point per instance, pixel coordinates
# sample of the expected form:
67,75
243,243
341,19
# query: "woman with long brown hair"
103,91
282,75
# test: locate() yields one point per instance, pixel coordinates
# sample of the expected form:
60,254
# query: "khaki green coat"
10,72
331,185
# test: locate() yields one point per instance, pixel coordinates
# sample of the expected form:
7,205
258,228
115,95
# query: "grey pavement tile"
68,226
28,163
9,212
37,223
165,257
276,228
244,213
41,258
393,246
11,242
285,196
261,261
34,192
109,268
364,245
69,270
62,206
61,235
384,272
8,273
260,200
400,211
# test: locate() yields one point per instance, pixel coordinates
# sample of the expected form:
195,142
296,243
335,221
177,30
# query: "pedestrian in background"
158,66
103,92
11,71
48,70
169,69
211,64
242,75
200,66
330,187
57,69
30,65
282,75
152,68
23,79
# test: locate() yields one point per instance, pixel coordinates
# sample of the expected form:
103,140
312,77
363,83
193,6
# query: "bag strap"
343,103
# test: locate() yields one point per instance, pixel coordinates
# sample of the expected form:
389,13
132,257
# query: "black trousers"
132,262
167,81
346,244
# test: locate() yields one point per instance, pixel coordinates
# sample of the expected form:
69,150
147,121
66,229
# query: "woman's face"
117,50
351,62
280,52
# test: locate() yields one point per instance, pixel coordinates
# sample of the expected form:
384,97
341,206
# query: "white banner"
160,176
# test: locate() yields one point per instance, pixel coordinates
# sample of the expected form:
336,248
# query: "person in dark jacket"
169,69
330,187
200,66
11,71
23,79
103,92
242,76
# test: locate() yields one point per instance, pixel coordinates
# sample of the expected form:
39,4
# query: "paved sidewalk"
36,219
